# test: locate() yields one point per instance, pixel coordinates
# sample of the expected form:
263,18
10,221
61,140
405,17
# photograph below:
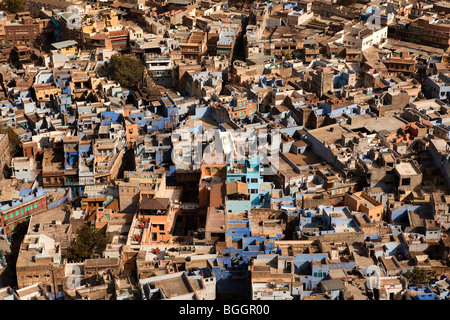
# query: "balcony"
237,170
70,171
156,57
71,183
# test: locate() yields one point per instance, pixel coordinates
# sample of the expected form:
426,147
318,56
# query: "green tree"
126,69
13,6
347,3
88,241
419,276
151,74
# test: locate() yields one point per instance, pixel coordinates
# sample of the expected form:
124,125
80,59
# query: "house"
333,287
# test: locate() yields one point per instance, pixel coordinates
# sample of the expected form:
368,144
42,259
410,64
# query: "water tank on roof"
201,233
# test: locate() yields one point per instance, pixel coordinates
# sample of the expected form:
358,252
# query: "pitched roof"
237,187
154,204
64,44
331,285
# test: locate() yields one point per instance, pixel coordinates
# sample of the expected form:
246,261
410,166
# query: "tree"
347,3
419,276
13,6
126,69
88,240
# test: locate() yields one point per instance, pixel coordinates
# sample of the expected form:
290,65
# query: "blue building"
231,267
249,172
336,110
325,220
342,79
63,102
71,163
109,117
438,86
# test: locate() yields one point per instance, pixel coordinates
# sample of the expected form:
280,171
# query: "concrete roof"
64,44
390,124
407,169
332,285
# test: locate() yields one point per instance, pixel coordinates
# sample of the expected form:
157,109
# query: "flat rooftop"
407,169
388,123
206,123
174,194
215,220
305,159
329,134
54,214
173,286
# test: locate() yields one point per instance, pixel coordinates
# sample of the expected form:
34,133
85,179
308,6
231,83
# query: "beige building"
362,202
272,278
136,187
39,261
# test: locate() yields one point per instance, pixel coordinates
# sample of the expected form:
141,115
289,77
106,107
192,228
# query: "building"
5,158
24,168
20,208
428,31
273,278
39,262
362,202
23,30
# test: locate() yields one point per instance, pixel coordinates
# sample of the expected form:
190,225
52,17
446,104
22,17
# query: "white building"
23,168
157,60
361,37
273,278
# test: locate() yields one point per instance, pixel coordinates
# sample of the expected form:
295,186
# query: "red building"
25,30
21,211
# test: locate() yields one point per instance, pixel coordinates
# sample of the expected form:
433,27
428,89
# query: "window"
406,182
6,218
11,215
